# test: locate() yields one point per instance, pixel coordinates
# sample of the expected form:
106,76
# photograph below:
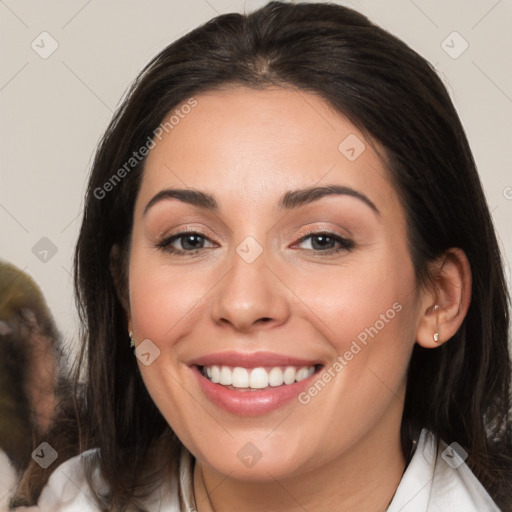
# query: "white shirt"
427,485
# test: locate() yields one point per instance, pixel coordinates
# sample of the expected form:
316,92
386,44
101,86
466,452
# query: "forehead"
242,144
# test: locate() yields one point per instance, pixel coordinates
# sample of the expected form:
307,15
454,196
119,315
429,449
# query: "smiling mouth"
257,379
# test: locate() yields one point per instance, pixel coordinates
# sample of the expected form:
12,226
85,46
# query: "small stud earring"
132,341
436,334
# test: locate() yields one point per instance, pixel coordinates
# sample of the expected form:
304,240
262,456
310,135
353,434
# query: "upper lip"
251,360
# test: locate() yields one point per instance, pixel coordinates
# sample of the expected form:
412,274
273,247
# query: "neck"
364,479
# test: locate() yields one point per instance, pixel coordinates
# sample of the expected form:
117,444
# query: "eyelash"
165,245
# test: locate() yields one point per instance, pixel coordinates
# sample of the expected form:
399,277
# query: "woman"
286,218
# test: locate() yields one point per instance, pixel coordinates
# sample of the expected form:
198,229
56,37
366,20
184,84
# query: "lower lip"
250,403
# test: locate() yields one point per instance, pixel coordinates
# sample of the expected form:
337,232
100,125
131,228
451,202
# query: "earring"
436,334
132,341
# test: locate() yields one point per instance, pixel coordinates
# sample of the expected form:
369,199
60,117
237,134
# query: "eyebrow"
288,201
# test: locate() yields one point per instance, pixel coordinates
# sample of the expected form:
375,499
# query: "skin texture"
247,148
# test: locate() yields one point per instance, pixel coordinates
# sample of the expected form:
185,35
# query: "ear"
119,276
446,302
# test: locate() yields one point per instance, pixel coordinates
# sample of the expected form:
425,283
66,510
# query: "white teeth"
256,378
240,377
275,377
215,371
289,375
226,376
302,374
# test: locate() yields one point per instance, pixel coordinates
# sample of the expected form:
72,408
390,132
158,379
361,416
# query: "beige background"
54,110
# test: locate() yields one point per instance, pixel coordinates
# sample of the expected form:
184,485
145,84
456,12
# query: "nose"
250,296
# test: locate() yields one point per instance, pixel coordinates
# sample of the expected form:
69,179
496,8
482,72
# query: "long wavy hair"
460,391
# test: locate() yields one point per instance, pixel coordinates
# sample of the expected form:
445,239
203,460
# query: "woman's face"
274,279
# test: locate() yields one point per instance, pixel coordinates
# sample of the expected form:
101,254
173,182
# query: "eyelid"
186,230
324,228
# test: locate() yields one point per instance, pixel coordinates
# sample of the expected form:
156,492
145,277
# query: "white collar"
431,484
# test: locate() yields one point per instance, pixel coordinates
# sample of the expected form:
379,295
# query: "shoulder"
68,490
437,479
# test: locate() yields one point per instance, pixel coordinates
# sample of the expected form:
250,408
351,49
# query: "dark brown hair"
461,390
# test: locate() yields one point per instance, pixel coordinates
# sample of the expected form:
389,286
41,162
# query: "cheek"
165,305
162,296
362,300
369,319
367,312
